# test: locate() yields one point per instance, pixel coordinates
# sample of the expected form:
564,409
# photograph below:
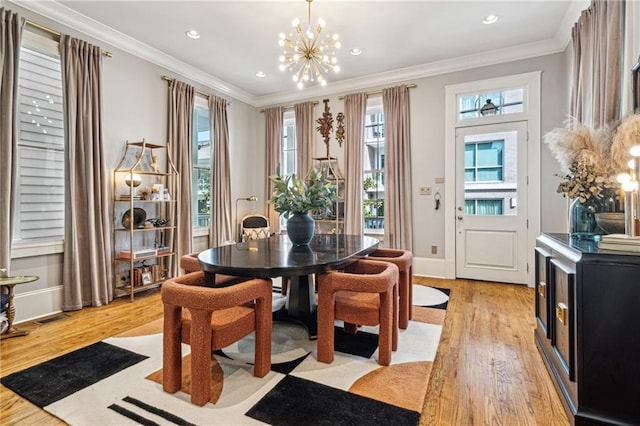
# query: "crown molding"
76,21
72,19
404,75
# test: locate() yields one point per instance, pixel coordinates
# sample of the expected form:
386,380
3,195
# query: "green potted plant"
293,198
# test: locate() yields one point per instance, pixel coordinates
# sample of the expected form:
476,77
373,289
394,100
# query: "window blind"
40,180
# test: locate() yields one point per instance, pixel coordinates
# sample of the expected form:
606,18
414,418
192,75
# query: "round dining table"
276,256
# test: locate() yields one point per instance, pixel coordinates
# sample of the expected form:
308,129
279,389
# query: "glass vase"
582,218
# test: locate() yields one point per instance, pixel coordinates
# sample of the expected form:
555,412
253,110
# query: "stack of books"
620,242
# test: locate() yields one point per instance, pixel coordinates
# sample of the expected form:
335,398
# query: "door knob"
459,217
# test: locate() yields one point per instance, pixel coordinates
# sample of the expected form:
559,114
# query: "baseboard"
429,267
37,304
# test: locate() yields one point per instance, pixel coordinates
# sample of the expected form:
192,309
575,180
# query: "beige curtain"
220,230
181,102
304,136
597,61
273,118
11,26
87,241
397,172
355,107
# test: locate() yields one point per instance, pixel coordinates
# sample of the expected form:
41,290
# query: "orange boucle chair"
189,262
364,294
208,319
403,259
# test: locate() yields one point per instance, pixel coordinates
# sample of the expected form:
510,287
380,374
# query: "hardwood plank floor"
487,370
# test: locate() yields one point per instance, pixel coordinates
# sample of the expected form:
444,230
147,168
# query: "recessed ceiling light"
260,74
355,51
490,19
193,34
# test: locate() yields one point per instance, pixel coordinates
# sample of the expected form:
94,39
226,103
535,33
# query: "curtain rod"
378,92
292,106
57,34
206,95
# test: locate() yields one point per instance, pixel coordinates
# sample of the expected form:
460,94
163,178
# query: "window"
288,164
373,168
507,102
39,207
483,207
483,162
201,161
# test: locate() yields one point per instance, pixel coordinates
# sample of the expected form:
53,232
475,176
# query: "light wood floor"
487,370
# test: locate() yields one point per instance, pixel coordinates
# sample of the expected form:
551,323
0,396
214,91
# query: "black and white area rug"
118,381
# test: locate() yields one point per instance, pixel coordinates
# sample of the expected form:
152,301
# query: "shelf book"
620,242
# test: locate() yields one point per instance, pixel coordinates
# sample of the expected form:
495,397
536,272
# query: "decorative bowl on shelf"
139,217
611,223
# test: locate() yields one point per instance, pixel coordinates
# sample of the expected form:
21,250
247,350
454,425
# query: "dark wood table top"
278,257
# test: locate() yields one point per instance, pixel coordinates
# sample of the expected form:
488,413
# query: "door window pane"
483,207
483,161
490,173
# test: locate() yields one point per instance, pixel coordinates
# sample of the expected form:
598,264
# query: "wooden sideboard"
587,309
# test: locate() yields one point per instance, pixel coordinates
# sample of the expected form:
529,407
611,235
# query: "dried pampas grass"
626,136
578,143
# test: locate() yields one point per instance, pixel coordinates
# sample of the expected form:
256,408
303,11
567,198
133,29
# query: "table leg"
302,301
11,314
302,305
210,279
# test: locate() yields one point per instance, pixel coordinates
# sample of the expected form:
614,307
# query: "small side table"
10,283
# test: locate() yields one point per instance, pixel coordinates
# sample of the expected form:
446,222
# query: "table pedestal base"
301,307
310,322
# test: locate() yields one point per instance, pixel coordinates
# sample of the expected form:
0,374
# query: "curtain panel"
180,134
304,137
220,231
597,40
273,126
355,107
11,27
397,193
87,276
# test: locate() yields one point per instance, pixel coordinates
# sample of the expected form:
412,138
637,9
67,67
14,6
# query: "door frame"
532,105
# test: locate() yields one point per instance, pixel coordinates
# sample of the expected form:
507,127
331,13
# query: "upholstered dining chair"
208,319
365,293
254,227
189,263
403,259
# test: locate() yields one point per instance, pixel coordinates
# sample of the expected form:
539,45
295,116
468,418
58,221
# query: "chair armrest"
187,292
189,262
395,254
375,278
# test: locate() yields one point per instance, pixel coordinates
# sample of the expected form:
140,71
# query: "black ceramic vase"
300,228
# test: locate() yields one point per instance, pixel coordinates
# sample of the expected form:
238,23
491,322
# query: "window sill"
200,232
22,250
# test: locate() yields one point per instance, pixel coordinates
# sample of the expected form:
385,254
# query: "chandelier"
306,54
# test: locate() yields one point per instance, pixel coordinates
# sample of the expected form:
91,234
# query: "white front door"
491,202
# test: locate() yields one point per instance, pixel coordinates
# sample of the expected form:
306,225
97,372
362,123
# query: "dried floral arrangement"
586,154
583,182
626,136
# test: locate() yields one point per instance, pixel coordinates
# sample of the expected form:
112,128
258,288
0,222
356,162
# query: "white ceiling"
399,39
